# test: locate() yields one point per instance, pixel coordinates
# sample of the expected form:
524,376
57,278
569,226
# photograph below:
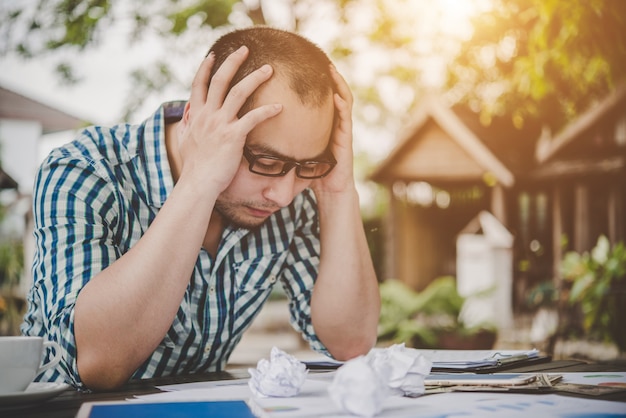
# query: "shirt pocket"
258,274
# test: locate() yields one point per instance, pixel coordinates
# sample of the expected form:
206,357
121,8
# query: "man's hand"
345,304
342,176
212,136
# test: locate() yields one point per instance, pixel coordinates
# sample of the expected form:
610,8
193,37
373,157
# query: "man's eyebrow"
268,150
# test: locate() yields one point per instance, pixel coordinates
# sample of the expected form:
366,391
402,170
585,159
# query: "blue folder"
212,409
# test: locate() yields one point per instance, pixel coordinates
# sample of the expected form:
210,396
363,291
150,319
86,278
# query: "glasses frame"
288,164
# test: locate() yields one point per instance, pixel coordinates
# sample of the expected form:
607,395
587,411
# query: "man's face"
299,132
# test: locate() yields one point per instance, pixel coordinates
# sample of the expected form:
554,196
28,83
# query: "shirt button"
212,289
272,279
207,349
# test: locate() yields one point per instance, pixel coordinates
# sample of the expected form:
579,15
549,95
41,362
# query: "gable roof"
6,181
432,109
16,106
548,146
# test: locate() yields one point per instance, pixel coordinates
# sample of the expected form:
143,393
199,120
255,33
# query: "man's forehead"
269,149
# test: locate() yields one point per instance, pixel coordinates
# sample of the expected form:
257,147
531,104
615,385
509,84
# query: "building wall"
19,152
421,237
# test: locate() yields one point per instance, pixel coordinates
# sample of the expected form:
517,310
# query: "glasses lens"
268,166
314,170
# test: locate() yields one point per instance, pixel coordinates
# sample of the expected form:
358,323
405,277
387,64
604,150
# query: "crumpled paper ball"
406,368
359,389
361,385
282,376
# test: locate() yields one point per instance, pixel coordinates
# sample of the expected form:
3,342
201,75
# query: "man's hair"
296,59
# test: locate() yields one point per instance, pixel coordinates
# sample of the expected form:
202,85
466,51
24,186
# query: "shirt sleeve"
73,209
302,269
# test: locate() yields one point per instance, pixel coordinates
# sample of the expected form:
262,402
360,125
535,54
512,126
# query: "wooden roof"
6,181
548,147
437,144
16,106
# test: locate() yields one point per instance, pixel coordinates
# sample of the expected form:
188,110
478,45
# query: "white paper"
404,368
362,384
282,375
204,385
217,393
617,379
358,389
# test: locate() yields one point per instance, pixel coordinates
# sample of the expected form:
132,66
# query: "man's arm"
122,314
345,304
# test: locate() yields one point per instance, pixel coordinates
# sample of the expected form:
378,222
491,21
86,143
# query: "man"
157,244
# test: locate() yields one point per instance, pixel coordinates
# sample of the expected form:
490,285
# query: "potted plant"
598,287
430,318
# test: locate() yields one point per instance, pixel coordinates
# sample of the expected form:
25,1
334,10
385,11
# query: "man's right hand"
212,135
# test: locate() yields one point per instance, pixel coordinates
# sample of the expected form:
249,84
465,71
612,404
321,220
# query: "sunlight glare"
436,28
447,17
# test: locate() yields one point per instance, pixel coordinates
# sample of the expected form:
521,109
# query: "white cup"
21,361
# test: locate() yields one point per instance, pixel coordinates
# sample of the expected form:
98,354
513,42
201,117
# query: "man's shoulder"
98,143
118,143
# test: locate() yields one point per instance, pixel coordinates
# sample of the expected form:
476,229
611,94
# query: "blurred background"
490,143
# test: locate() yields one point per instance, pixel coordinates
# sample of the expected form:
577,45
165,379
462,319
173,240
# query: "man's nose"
281,190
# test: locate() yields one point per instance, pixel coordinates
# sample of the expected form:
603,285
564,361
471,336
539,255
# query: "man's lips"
259,213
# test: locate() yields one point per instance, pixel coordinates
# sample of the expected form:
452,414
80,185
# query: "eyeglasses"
272,166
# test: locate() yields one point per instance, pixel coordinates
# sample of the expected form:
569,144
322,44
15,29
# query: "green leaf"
581,286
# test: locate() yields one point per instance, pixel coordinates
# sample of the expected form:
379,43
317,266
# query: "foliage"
11,267
420,317
598,280
543,294
541,59
385,45
11,262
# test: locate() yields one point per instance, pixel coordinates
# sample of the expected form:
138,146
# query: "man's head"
295,138
303,64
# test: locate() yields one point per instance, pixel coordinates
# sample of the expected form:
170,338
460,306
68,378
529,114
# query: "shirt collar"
158,171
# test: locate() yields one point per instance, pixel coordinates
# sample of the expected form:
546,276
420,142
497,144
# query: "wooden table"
66,404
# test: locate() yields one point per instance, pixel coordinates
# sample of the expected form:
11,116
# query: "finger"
342,86
240,92
257,115
223,76
342,132
200,84
344,121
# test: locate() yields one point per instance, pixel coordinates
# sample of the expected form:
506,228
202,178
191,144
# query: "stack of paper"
475,359
460,360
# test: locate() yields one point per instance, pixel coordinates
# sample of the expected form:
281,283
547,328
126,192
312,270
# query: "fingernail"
266,68
242,49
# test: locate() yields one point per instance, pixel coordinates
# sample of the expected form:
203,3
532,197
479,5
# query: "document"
460,360
467,360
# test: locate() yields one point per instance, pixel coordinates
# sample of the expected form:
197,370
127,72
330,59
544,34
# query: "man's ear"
186,114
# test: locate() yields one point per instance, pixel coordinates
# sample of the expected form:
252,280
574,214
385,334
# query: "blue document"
209,409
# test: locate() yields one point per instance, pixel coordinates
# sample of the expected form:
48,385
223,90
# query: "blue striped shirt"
95,197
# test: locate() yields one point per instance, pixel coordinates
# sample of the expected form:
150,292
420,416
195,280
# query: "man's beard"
230,215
